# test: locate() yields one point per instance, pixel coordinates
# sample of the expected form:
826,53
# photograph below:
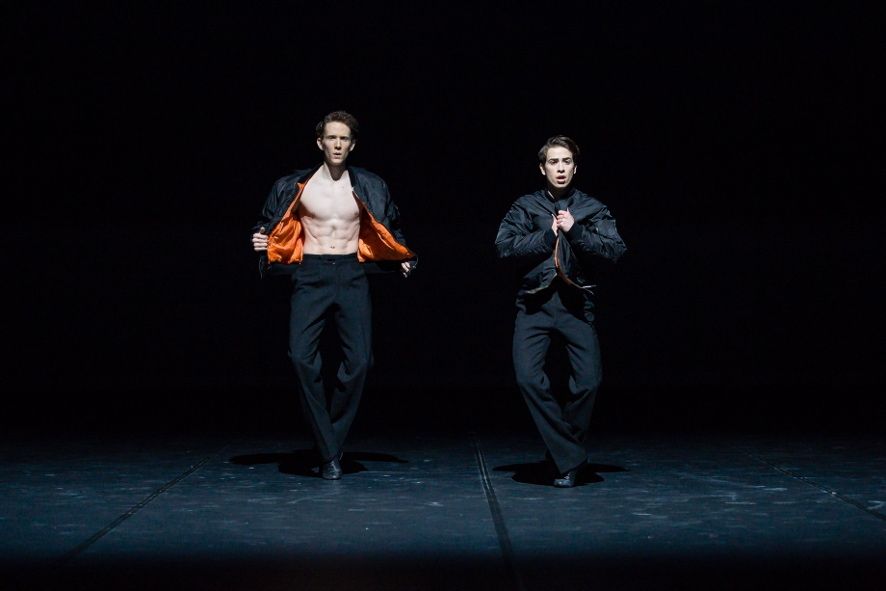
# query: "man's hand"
406,268
564,220
260,240
554,224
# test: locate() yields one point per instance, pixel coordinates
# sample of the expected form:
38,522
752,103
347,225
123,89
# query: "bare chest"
328,201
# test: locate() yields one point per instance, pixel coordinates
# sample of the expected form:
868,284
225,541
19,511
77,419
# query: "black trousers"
565,311
330,289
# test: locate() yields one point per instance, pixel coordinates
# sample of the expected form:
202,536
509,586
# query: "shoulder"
587,202
291,179
364,177
370,187
530,201
526,207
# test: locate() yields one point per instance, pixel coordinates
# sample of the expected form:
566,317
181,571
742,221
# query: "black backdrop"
737,144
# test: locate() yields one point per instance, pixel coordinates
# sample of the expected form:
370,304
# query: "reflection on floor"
442,512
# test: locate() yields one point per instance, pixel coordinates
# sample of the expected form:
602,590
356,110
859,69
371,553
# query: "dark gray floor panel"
57,493
442,512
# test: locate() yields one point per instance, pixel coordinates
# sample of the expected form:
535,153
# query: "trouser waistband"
330,258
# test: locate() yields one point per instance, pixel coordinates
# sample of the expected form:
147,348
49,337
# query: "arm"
596,235
392,215
270,208
262,226
518,236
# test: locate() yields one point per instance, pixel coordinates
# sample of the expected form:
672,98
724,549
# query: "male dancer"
326,226
556,235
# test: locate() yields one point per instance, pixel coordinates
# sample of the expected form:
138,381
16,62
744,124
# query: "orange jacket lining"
286,243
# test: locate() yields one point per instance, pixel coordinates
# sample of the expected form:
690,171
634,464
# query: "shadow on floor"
543,473
305,462
562,568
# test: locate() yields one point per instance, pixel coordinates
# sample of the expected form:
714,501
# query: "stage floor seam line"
809,482
501,530
83,546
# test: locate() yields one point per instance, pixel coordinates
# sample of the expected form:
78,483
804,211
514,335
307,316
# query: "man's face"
558,167
336,143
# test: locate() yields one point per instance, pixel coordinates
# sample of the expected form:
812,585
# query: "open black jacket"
525,236
368,187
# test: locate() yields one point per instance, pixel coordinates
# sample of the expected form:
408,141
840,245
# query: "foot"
331,470
568,479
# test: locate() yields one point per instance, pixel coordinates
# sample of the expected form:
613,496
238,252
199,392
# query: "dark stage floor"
442,512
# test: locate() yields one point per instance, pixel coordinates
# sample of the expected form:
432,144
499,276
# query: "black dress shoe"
568,479
331,470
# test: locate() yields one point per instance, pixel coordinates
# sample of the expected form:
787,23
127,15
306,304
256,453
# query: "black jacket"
525,236
369,188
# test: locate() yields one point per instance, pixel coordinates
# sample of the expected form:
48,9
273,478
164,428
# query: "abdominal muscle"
331,219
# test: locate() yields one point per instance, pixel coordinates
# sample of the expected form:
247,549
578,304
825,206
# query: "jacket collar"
353,172
570,191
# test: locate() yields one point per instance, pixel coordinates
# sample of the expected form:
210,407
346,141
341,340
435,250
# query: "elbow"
502,250
618,252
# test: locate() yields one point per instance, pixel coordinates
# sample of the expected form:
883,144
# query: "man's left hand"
565,220
406,268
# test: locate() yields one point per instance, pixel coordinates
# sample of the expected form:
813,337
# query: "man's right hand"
260,240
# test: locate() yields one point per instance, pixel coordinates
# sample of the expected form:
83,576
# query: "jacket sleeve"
392,215
597,235
519,238
269,209
268,213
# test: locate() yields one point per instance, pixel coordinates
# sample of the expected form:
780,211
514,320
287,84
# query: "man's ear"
320,143
541,167
575,170
353,145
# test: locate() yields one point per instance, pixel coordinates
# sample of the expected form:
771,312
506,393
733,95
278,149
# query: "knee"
588,383
302,361
358,365
528,377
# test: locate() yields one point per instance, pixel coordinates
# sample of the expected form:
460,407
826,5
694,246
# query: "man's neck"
556,193
333,172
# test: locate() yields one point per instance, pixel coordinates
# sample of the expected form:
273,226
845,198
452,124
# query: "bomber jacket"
525,236
381,243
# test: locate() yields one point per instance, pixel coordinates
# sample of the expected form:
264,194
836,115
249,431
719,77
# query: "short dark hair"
341,117
561,141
